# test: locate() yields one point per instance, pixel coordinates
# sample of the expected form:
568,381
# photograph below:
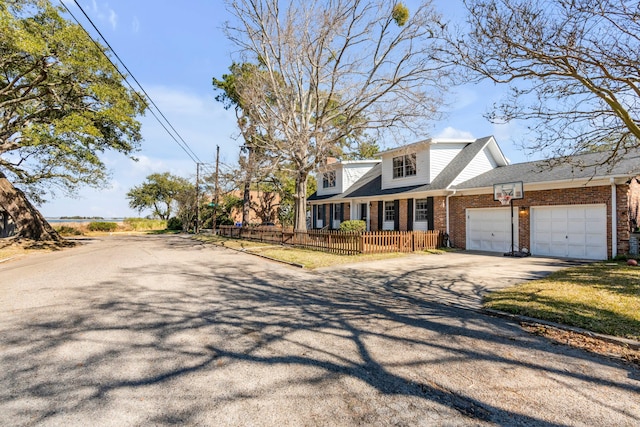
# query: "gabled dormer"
421,162
337,176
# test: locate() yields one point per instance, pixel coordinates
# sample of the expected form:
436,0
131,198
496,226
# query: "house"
263,207
333,179
448,185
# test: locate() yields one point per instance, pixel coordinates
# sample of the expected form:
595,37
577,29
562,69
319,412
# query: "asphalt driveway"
161,330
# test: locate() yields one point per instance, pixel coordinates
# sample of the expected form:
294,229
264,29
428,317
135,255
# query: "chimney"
331,160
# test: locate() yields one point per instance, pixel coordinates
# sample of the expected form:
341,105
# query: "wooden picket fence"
342,243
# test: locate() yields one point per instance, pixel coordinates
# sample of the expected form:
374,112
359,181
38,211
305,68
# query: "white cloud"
452,133
146,165
113,19
177,101
135,25
104,13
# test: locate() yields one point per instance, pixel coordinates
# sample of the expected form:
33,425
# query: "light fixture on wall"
523,210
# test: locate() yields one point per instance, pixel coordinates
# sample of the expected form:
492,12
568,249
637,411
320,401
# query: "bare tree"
573,67
334,68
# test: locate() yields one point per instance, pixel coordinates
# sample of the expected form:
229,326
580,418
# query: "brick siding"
560,197
440,213
373,220
403,208
633,197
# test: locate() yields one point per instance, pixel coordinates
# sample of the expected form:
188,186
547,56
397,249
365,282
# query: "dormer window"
329,179
404,166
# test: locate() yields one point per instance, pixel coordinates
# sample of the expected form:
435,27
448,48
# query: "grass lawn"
305,257
316,259
11,251
600,297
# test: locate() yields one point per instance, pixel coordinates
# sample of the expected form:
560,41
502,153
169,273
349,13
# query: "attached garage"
490,229
577,231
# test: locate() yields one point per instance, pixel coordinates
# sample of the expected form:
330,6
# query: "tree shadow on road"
246,333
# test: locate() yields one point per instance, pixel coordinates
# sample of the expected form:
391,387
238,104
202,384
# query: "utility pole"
197,226
216,191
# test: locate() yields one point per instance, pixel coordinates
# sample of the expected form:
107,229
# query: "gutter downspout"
614,220
447,211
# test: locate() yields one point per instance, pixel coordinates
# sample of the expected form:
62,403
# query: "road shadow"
209,320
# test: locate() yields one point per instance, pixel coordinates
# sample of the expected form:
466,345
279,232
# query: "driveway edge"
632,344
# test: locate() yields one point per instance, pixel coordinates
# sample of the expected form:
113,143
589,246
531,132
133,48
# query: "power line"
183,145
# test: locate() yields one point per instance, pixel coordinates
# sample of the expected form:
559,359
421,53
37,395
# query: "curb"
632,344
292,264
7,259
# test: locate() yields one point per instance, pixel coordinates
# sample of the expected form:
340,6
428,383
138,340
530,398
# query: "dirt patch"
592,344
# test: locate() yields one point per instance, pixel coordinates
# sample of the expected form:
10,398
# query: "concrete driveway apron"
459,279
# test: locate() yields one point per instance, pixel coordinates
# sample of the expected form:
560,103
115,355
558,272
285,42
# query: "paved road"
162,330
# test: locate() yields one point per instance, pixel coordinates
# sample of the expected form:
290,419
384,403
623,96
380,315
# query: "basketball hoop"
505,199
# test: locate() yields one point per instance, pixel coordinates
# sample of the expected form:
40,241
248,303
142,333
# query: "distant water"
81,221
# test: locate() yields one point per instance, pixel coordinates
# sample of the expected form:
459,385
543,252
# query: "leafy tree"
162,192
61,104
572,66
333,69
258,163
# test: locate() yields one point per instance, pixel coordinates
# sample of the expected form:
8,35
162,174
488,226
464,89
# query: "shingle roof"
371,184
315,196
540,171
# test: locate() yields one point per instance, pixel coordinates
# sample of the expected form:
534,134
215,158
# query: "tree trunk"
29,222
300,199
246,206
246,202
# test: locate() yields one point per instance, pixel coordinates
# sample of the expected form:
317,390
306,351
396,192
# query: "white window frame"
404,166
337,210
329,179
421,213
388,211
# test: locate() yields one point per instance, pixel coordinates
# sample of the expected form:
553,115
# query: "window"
337,212
329,179
320,212
421,210
404,166
389,211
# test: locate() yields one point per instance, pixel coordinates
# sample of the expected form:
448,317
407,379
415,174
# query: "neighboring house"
448,185
263,208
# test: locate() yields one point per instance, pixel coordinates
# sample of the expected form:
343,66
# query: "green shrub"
102,226
65,230
353,226
174,224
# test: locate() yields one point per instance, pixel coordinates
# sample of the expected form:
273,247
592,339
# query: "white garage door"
569,231
490,229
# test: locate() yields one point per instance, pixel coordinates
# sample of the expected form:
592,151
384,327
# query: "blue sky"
174,49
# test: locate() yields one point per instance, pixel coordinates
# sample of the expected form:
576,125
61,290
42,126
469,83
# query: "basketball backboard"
513,189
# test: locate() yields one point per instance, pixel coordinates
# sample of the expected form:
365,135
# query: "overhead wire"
177,138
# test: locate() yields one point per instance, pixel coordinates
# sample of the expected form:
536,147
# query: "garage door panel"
593,252
490,229
593,240
576,226
577,231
